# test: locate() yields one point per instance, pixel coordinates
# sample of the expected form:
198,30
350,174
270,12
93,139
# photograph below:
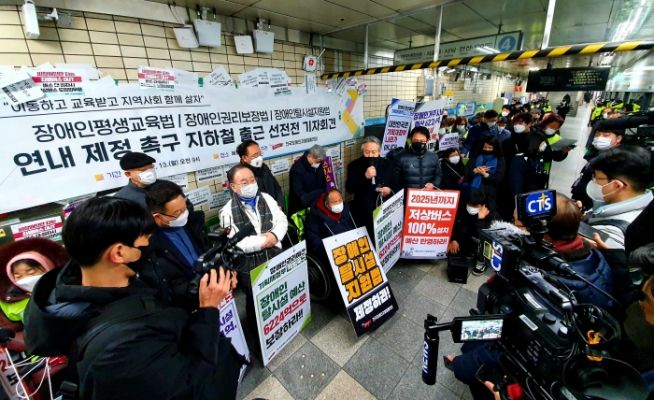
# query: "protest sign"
18,88
230,327
388,220
397,125
280,166
199,197
219,199
67,146
209,174
180,179
428,221
280,288
49,228
429,114
156,78
448,141
330,178
219,77
59,81
360,279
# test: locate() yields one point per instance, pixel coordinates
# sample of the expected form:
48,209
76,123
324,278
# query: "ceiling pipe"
552,52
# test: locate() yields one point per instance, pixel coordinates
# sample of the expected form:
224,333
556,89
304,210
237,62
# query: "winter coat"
306,184
452,175
365,193
128,345
322,223
166,269
414,171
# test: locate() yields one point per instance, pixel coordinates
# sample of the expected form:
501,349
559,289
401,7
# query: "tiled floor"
328,361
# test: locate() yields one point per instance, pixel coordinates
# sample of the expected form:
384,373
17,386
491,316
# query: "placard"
429,114
397,125
180,180
199,197
448,141
63,147
280,288
388,220
218,200
156,78
49,228
330,178
280,166
230,327
209,174
59,81
360,279
428,221
219,77
19,88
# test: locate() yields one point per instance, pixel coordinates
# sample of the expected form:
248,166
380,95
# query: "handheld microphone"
430,353
372,164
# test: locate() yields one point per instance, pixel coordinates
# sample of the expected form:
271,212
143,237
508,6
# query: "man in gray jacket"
416,167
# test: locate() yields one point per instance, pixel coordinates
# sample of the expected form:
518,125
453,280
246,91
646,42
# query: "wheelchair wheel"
320,286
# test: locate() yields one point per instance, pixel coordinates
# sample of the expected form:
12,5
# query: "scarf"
488,160
320,203
241,221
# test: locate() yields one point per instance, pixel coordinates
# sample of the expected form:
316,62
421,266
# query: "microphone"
371,163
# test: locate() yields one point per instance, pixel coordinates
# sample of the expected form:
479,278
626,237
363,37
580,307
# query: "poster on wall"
398,124
429,114
388,220
62,147
428,221
360,279
280,288
60,81
156,78
230,327
48,228
19,88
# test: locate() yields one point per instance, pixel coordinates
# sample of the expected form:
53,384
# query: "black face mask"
138,265
419,147
487,152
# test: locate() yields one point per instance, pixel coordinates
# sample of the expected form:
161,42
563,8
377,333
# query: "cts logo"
496,258
540,203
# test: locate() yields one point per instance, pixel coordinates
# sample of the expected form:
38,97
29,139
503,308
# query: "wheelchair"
320,273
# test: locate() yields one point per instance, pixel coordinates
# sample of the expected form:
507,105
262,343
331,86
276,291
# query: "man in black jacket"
175,245
123,342
307,180
371,180
416,167
251,156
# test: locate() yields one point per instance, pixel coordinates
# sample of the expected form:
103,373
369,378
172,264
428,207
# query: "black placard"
568,79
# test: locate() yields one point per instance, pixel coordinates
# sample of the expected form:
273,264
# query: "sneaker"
480,268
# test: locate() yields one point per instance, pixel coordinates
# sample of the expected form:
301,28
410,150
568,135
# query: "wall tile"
13,46
73,35
76,48
204,67
130,40
106,50
109,62
160,63
152,30
103,37
202,57
79,59
16,59
95,24
39,59
158,53
182,55
155,42
128,27
131,62
218,58
9,18
131,51
186,65
44,47
116,73
11,32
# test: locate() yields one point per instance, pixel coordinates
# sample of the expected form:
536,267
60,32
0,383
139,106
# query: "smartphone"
477,328
588,231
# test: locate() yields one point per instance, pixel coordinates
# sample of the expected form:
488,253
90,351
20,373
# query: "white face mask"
594,191
550,131
492,123
441,130
455,159
605,116
519,128
249,191
179,221
472,210
602,143
542,147
315,165
337,208
28,283
257,162
505,113
461,128
148,177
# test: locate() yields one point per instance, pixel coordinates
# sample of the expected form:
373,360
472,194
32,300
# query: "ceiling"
394,25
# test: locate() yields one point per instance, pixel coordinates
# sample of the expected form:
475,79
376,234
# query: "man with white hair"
371,180
307,179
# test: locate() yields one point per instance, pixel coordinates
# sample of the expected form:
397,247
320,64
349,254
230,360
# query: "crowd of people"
123,299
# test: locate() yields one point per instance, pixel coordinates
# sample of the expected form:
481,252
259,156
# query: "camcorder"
552,346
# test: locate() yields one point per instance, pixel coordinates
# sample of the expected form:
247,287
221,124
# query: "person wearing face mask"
527,171
125,342
416,167
139,168
174,246
605,138
506,111
371,180
306,179
475,216
503,133
549,127
329,216
485,171
453,169
487,127
461,126
251,156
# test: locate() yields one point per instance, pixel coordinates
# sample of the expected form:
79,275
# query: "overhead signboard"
504,43
568,79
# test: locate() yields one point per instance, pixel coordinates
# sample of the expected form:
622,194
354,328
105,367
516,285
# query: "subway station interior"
218,97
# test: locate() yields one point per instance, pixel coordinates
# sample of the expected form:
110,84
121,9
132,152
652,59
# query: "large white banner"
280,288
388,220
60,147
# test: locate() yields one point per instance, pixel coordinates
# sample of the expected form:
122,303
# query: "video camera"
551,346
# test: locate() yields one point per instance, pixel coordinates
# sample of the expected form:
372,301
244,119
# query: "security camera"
30,20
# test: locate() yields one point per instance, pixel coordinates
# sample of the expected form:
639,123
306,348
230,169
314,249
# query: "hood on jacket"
637,203
61,308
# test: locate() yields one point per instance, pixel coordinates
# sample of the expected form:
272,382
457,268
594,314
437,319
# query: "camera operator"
584,261
175,245
123,342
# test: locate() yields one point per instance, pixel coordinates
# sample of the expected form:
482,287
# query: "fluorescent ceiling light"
487,50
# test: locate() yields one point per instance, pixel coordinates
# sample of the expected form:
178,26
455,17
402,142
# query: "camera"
550,345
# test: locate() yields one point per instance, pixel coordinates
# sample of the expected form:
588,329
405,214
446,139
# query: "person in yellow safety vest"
547,107
549,127
618,105
597,112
